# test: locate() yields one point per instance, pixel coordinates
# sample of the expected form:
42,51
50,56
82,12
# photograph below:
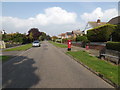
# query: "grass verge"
105,68
5,58
20,48
58,44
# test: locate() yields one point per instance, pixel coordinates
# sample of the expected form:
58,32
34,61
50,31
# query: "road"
48,67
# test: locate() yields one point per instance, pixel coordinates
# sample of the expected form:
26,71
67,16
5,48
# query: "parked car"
36,43
110,55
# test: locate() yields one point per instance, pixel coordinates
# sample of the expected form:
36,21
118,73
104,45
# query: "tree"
42,37
48,37
31,36
35,33
54,38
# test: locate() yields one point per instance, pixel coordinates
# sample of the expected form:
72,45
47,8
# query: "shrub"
101,33
116,34
113,46
64,40
82,38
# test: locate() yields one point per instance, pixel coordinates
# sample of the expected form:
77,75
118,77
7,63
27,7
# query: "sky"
54,17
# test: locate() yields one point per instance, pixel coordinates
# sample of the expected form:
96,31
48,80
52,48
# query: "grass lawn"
58,44
5,58
105,68
20,48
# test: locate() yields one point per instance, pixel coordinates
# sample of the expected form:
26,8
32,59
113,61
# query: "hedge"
113,46
101,33
116,34
81,38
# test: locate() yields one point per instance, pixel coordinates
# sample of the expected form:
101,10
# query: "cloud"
51,16
54,15
104,15
55,20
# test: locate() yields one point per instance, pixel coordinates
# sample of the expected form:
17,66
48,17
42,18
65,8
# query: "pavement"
47,67
11,53
92,52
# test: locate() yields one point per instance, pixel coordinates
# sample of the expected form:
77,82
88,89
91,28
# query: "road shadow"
19,72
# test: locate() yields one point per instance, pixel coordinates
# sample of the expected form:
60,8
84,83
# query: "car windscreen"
35,42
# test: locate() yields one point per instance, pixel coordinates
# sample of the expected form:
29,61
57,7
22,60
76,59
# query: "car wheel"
102,57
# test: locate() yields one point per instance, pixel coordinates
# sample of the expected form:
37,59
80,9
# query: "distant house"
62,35
93,24
75,33
69,34
2,32
115,20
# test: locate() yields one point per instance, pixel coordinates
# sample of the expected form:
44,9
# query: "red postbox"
69,45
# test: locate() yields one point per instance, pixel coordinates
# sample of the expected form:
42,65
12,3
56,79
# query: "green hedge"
64,40
113,46
101,33
81,38
116,34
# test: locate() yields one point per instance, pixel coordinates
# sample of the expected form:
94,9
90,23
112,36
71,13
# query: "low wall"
92,45
97,47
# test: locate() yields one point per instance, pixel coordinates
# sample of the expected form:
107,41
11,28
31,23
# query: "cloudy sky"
54,17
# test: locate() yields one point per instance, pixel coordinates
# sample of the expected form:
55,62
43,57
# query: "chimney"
98,21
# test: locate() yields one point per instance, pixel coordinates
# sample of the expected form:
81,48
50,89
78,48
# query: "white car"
36,44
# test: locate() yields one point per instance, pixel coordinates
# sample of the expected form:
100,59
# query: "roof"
115,20
62,34
77,32
95,24
69,33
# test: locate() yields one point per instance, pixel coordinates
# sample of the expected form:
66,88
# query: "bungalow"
62,35
93,24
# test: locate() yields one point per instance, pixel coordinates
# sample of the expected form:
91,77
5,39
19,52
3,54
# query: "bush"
82,38
15,37
113,46
64,40
101,33
116,34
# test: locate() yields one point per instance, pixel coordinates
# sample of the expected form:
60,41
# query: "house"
93,24
115,20
76,33
62,35
69,34
2,32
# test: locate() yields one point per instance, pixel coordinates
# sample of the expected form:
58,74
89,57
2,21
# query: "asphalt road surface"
48,67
